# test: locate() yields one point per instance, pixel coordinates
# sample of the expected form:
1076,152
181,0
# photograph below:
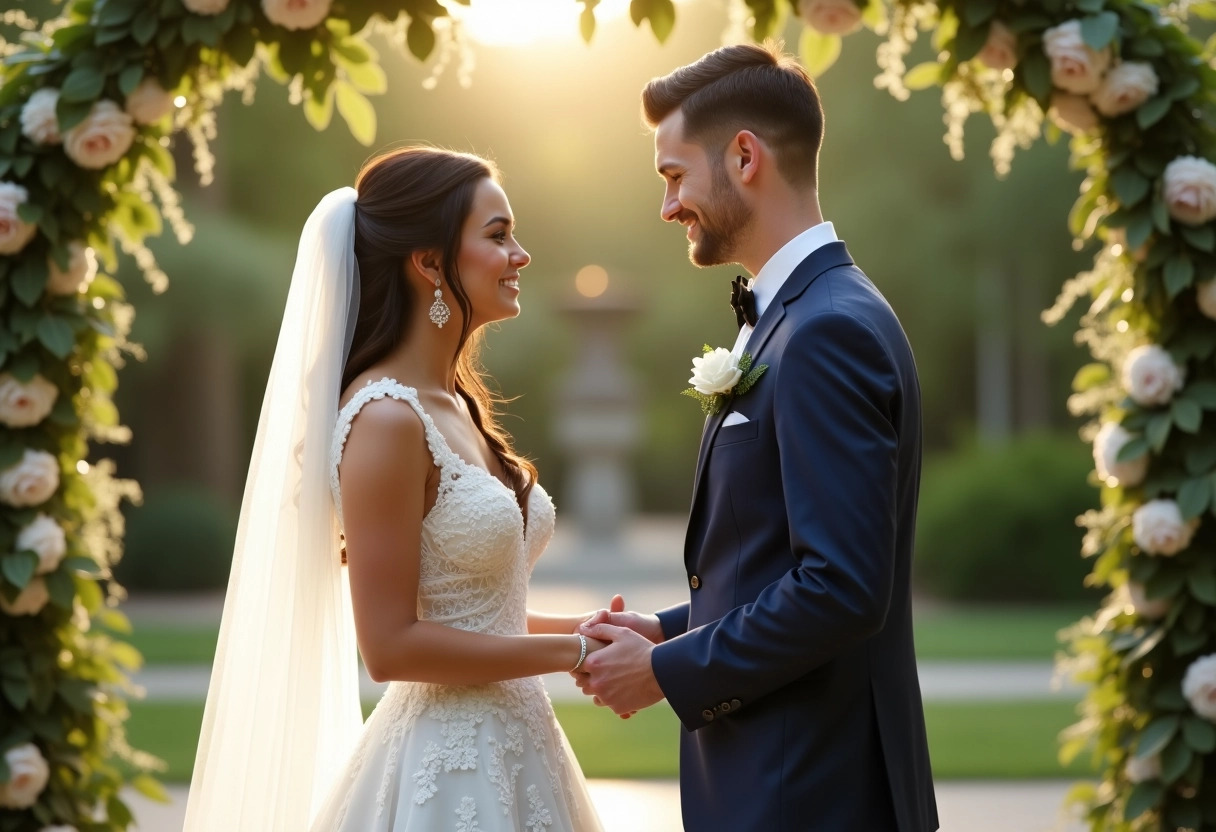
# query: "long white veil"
283,711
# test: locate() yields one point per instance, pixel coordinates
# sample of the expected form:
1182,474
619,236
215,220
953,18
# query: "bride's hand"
593,645
647,626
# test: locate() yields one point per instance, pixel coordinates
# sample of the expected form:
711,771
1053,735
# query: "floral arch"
89,101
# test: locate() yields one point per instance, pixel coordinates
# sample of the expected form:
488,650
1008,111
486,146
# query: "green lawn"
989,740
990,633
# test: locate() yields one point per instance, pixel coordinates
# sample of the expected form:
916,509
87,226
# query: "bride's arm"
383,495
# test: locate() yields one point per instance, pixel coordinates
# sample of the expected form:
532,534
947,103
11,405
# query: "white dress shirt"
769,279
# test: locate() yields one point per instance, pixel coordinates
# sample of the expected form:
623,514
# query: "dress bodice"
476,555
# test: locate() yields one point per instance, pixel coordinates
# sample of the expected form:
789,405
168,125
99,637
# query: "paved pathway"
653,806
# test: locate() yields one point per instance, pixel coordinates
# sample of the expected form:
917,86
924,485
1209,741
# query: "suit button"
694,582
736,704
708,714
724,707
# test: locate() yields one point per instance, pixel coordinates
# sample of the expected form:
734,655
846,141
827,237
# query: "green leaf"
357,111
18,568
1132,449
118,813
1129,185
82,85
969,41
1099,30
71,113
29,279
1175,760
129,78
818,52
150,788
1187,414
586,24
1184,87
1200,459
976,12
61,588
420,38
144,27
1156,736
1139,229
1090,376
1202,238
368,78
1152,111
923,76
56,335
1179,274
354,50
1203,586
1199,734
1161,215
662,18
16,691
1158,430
1184,642
1194,497
319,113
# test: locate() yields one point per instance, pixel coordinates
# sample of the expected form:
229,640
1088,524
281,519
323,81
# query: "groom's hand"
619,676
647,626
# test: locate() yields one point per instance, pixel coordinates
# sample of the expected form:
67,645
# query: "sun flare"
527,22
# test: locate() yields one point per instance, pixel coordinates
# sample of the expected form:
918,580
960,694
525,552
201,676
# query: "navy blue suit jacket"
792,669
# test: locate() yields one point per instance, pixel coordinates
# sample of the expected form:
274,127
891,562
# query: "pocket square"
734,418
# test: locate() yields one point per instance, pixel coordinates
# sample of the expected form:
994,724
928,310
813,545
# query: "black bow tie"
743,301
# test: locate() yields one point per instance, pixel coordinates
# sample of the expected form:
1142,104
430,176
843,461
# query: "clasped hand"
619,675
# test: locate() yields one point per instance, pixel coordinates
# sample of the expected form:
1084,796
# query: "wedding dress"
485,758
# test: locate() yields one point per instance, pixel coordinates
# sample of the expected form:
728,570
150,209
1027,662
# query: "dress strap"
383,388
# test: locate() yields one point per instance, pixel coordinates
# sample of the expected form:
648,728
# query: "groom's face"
699,195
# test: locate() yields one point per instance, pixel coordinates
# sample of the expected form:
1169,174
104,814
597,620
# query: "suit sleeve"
836,390
674,620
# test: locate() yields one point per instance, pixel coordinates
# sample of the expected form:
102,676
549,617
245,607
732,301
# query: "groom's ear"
745,154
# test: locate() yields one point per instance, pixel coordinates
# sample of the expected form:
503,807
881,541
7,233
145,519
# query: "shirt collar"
769,279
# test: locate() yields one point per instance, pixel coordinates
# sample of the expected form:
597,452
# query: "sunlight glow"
526,22
591,281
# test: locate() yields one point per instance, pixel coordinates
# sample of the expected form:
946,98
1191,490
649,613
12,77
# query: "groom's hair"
745,87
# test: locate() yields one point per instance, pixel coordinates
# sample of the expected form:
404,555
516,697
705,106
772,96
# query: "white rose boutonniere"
718,374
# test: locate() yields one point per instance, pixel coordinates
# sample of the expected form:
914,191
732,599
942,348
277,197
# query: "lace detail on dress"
540,815
467,815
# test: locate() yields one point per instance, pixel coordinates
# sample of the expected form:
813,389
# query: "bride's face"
490,257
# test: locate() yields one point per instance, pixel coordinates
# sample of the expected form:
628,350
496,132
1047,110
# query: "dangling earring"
439,310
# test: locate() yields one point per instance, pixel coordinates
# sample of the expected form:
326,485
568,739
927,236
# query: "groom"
792,668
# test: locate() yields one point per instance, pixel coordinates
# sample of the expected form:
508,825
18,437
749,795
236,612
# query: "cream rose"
1110,440
296,14
1199,686
1001,49
1075,67
1072,113
1143,607
31,481
82,268
14,231
1125,88
24,404
715,372
39,119
1140,769
1158,528
1150,375
1190,190
28,776
830,17
101,139
45,538
206,7
30,601
149,102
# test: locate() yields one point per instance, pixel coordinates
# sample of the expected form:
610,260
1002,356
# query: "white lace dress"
441,758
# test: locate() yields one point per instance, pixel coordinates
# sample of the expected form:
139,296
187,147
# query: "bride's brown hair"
412,199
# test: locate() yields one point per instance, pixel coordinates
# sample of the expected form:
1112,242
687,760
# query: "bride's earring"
439,310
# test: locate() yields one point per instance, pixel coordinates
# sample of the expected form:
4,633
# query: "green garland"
88,104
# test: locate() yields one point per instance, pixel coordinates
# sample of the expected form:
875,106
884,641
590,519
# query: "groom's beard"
724,220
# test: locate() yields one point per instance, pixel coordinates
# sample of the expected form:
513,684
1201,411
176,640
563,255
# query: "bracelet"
582,653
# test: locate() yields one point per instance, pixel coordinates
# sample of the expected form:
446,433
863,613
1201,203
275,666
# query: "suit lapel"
831,256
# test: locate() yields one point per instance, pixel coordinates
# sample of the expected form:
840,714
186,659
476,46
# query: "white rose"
31,481
207,7
830,17
1075,67
14,231
1158,528
1140,769
1110,440
1001,49
715,372
82,268
23,404
1072,113
1143,607
149,102
1199,686
30,601
39,120
1125,88
296,14
1205,295
28,776
101,139
44,537
1190,190
1150,375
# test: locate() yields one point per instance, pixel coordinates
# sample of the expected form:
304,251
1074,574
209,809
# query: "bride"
384,504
